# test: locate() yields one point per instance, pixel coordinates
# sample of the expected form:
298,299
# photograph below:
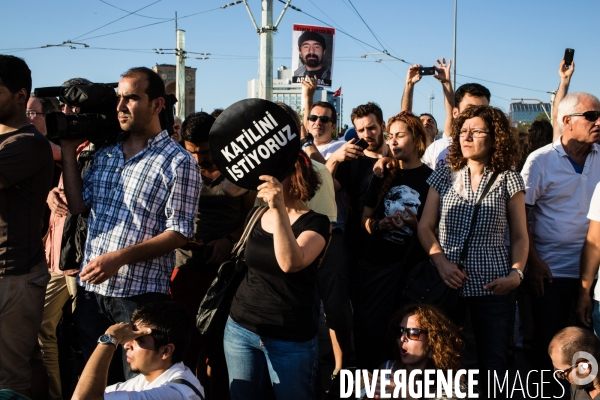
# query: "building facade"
522,112
167,73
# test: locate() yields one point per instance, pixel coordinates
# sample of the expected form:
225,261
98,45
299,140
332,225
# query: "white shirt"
435,155
559,200
594,215
328,149
161,388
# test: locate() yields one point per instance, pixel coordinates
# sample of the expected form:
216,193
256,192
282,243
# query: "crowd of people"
110,248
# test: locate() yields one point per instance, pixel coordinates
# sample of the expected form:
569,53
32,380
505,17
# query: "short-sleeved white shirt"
328,149
435,155
594,215
559,200
161,388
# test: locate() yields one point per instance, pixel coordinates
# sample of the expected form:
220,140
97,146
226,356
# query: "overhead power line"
118,19
139,15
167,20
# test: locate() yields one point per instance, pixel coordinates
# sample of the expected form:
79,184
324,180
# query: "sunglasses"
411,333
591,116
324,118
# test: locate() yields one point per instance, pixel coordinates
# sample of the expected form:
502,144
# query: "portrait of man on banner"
312,53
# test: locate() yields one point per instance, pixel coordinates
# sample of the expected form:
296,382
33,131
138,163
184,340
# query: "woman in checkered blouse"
482,144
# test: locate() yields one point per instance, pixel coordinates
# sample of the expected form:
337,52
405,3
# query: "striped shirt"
132,201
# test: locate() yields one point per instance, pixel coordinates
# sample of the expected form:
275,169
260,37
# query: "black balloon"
254,137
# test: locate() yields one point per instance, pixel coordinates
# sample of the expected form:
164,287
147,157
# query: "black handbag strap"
465,249
238,249
188,384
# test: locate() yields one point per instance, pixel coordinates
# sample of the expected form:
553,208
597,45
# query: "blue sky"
508,42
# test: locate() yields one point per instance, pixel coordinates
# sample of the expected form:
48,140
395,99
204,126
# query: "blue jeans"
95,313
254,361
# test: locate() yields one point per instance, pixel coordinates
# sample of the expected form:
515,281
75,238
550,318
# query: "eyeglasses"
324,118
411,333
32,114
591,116
564,374
476,133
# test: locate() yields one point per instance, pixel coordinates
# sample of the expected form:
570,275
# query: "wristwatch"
106,339
307,140
518,271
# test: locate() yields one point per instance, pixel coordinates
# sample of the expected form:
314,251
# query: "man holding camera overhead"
142,194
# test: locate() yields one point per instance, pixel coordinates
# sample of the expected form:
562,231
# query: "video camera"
97,119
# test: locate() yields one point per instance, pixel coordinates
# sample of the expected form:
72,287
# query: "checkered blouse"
487,257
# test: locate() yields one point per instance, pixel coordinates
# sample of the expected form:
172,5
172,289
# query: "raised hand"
443,70
271,192
413,76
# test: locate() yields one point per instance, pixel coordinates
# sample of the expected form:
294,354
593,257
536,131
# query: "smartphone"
427,71
362,143
569,53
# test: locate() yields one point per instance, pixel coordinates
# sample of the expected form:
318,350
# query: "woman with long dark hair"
271,335
393,206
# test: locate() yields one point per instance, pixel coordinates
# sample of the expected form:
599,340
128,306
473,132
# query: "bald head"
571,340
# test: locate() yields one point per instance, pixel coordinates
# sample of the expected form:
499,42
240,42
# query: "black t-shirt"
354,176
26,169
581,394
408,189
270,302
218,215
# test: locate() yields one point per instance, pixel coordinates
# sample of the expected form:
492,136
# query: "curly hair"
417,131
505,149
304,179
443,337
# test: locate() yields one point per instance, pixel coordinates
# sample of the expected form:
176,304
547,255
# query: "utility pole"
266,51
265,63
454,52
180,74
431,97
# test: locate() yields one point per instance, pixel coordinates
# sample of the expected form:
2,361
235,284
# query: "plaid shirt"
132,201
487,256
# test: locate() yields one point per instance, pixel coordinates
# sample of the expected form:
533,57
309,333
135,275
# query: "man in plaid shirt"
142,194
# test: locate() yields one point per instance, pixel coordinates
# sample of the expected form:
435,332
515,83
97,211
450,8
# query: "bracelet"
305,145
518,271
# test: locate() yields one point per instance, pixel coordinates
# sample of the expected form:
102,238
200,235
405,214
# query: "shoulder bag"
424,283
214,308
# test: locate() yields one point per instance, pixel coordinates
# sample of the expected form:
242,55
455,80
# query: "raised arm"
443,75
309,87
565,73
292,254
412,77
